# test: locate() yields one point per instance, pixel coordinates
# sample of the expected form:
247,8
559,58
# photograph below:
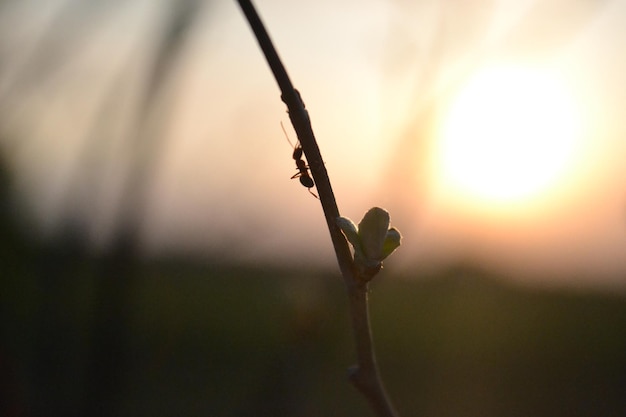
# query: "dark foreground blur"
113,337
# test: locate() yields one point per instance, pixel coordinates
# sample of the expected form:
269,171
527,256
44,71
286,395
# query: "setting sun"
509,137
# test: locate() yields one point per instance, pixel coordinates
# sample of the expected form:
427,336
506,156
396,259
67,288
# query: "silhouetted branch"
365,374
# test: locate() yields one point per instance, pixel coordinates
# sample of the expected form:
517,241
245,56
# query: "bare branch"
365,374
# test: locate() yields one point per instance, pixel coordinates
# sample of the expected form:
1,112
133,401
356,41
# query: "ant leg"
313,194
297,175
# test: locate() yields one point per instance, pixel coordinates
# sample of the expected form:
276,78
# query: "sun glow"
509,137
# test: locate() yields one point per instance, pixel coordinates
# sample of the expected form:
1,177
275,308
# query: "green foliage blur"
212,339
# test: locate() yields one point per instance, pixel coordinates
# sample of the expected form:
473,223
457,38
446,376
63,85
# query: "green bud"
373,241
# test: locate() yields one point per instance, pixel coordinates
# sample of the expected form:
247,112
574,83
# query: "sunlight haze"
493,132
511,137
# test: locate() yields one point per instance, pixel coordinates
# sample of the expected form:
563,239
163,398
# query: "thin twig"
365,374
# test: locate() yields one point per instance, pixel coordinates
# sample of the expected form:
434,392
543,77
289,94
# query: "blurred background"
157,259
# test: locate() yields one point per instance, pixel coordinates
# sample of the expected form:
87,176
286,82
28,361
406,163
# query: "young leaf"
348,228
392,241
373,231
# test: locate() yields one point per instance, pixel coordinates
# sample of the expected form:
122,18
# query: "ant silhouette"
301,166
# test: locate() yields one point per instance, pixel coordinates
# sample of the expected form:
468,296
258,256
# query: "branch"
365,374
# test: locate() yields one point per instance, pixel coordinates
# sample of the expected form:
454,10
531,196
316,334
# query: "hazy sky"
379,78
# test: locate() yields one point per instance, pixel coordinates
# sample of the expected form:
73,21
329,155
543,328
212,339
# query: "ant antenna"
282,126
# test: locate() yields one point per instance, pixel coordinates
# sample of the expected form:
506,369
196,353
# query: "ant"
301,166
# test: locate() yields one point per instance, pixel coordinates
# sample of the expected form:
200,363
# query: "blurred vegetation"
230,340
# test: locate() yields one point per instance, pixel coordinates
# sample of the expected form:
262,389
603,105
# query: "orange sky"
376,77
